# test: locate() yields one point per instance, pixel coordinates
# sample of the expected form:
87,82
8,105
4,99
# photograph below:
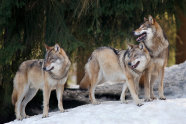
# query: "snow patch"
171,111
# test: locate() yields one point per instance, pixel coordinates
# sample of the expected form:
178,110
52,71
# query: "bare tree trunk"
180,37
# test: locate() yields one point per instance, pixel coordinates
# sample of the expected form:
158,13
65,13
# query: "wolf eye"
52,60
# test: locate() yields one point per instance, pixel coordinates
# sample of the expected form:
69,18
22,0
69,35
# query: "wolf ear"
151,20
130,46
46,47
57,48
145,19
142,46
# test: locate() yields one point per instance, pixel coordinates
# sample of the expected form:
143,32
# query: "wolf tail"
19,77
90,68
15,91
85,82
14,96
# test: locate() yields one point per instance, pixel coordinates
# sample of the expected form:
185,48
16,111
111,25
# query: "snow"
175,81
170,111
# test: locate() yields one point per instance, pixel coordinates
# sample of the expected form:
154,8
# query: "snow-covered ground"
170,111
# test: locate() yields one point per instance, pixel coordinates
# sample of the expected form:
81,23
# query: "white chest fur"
158,61
53,82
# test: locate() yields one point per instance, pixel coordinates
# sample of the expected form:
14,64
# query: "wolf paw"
45,116
153,97
62,110
148,100
124,102
163,98
19,118
96,103
139,104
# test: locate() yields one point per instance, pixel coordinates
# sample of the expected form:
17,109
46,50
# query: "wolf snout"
129,63
44,68
135,33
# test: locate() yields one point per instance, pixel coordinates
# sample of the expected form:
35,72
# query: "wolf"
45,74
109,64
155,40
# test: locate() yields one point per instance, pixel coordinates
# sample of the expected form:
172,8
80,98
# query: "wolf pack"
145,61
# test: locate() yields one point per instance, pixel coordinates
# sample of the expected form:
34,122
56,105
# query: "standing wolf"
152,35
48,74
108,64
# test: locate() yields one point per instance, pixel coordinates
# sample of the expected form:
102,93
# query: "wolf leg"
95,80
147,86
123,94
18,105
59,93
95,76
160,79
137,85
153,79
46,95
131,86
92,94
29,96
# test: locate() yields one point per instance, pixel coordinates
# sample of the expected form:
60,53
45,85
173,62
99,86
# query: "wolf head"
137,57
146,30
55,58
